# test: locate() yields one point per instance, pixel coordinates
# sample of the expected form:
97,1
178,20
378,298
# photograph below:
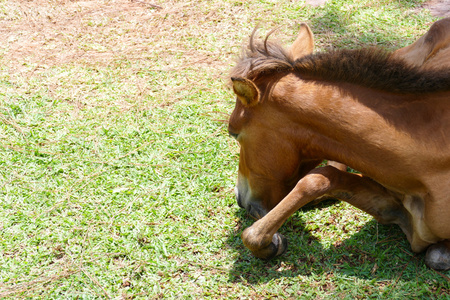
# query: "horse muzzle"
247,200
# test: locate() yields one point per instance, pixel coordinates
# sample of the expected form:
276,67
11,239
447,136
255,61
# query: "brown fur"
363,108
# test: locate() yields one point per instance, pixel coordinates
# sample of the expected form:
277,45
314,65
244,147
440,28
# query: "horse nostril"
238,197
234,135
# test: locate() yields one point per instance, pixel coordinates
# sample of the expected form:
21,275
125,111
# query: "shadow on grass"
332,19
376,252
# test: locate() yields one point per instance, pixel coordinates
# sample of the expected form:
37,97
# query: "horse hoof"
277,247
438,257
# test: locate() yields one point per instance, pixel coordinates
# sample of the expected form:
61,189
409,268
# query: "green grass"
117,173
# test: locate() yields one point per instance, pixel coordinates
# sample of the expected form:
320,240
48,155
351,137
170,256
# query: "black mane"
372,68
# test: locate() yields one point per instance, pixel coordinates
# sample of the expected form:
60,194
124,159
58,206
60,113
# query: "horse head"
270,161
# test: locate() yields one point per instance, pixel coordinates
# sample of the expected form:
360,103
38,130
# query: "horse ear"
246,91
304,44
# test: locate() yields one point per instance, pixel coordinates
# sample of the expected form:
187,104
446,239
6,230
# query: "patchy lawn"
117,173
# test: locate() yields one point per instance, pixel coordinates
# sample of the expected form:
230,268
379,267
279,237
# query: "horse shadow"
376,251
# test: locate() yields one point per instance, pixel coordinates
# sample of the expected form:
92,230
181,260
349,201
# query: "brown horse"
365,108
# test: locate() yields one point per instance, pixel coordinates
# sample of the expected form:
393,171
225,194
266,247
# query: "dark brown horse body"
364,108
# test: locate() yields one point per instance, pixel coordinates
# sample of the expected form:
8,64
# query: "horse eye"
234,135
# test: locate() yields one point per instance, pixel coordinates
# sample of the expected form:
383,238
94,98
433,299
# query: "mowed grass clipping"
117,173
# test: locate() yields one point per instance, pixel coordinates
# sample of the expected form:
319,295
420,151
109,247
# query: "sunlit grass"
117,174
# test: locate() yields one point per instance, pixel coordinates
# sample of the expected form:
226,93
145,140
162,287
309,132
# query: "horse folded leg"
340,167
438,256
337,165
262,238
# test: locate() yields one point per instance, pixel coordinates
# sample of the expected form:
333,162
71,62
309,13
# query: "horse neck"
358,126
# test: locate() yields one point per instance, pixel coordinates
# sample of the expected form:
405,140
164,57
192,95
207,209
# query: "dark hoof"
277,247
438,257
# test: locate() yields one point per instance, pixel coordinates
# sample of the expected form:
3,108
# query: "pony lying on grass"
377,112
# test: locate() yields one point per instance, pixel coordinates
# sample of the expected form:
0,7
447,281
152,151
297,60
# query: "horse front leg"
262,238
362,192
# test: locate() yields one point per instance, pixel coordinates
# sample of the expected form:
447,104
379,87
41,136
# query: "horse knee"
438,256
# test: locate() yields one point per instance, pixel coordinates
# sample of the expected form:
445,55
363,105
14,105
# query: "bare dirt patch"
438,8
59,32
51,32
